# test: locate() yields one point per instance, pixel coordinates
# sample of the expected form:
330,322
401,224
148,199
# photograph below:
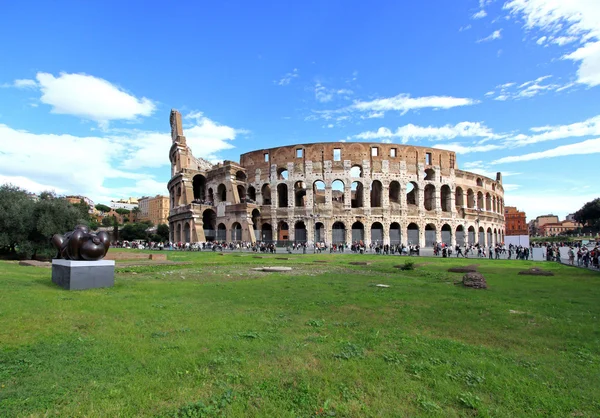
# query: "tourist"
571,256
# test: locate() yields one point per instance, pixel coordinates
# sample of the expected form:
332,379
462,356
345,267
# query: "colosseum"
335,192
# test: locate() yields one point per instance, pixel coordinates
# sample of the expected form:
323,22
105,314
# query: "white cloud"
410,131
466,149
536,202
403,103
287,79
588,127
497,34
567,21
324,94
206,137
91,98
480,14
28,184
541,40
527,89
464,28
25,84
591,146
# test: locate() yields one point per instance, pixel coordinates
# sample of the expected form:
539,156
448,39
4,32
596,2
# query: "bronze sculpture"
81,244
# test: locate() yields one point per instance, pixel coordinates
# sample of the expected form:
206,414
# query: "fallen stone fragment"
534,271
35,263
382,285
272,269
463,269
360,263
474,280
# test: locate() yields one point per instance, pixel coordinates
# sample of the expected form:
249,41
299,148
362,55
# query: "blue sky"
510,85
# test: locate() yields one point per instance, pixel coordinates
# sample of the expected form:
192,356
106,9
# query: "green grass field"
214,338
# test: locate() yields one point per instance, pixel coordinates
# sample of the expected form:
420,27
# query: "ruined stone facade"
332,192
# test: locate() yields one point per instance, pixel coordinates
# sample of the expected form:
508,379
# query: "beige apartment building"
154,209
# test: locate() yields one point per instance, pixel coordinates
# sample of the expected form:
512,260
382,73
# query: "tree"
103,208
162,230
122,211
107,221
134,231
589,214
136,212
16,208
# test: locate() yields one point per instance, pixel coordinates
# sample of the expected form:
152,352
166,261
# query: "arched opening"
338,233
376,192
377,233
470,199
222,192
283,230
178,196
241,193
446,234
199,186
494,204
236,231
479,182
481,236
319,232
394,192
282,174
266,194
488,202
446,198
358,232
494,186
429,197
395,234
266,232
480,201
299,232
177,233
413,234
186,232
240,176
300,194
357,194
495,236
489,237
282,195
412,194
211,197
209,219
356,171
172,195
255,221
319,192
460,235
471,235
429,235
430,174
459,198
252,194
221,232
337,194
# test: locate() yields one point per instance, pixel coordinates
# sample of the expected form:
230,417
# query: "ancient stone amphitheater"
336,192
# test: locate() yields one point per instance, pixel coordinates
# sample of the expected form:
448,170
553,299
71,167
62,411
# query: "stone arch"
394,192
489,237
266,194
282,174
377,232
481,236
356,171
495,236
283,230
412,194
494,209
209,220
337,193
480,200
241,192
299,194
199,187
178,196
446,234
430,235
471,235
460,235
222,192
221,232
357,194
376,194
319,232
429,174
488,202
236,231
187,235
338,233
255,220
470,199
211,196
319,192
266,232
446,198
459,197
358,231
252,194
300,231
479,182
240,176
395,233
412,231
282,195
429,194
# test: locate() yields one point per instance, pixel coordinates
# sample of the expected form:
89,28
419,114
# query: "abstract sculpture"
81,244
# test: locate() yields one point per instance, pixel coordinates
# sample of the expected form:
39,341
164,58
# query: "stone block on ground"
474,280
463,269
158,257
360,263
535,271
273,269
81,275
35,263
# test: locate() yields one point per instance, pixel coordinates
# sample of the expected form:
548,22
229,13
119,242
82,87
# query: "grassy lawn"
214,338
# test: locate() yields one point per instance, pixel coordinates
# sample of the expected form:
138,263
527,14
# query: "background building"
144,206
516,222
77,199
558,228
333,193
537,223
158,210
128,204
